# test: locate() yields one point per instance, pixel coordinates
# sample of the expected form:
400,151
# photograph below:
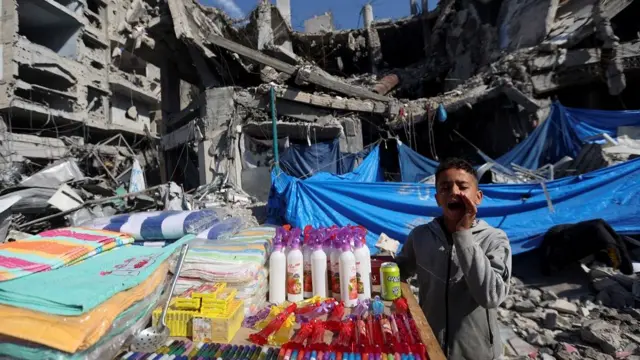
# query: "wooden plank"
426,333
311,76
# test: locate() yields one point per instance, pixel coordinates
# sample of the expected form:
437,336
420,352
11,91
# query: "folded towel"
53,249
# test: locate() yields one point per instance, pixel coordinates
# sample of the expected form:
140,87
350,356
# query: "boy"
463,267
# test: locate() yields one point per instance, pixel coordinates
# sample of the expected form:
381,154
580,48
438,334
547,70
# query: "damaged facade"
495,78
384,80
70,83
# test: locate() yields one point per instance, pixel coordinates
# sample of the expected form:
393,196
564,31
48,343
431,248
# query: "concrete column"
170,104
212,151
285,9
206,162
373,40
414,7
368,16
425,6
265,31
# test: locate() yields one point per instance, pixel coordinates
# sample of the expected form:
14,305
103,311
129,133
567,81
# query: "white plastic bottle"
306,266
319,270
277,271
363,268
348,282
335,270
295,272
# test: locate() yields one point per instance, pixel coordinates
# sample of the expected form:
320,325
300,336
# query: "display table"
426,333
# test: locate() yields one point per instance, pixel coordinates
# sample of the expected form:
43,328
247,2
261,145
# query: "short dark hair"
456,163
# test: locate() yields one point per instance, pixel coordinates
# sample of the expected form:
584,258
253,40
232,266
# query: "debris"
603,334
564,306
525,306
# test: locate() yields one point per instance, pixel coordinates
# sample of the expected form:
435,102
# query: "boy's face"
452,183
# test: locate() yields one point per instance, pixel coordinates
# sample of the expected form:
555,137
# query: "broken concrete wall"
58,81
525,23
319,24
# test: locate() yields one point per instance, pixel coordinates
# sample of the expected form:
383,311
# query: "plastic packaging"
320,310
278,270
158,225
126,324
251,321
295,273
316,340
223,229
348,282
363,264
262,336
300,337
343,341
283,334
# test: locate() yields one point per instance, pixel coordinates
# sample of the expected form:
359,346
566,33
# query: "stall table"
426,333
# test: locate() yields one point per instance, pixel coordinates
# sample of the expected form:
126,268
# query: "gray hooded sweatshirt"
461,285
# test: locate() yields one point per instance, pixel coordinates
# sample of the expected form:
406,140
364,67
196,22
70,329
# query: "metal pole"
274,123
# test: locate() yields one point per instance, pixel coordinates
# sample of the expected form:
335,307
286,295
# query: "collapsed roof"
466,55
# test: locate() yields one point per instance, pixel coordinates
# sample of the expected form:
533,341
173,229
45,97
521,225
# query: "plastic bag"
126,324
74,333
223,229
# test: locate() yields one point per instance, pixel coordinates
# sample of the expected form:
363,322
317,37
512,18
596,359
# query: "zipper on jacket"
446,305
490,329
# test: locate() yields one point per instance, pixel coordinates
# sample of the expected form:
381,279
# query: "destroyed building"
494,77
70,84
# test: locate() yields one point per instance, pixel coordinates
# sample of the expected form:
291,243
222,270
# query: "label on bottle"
308,282
294,285
359,279
335,278
353,284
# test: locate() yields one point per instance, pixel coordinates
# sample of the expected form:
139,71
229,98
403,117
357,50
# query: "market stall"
242,345
328,299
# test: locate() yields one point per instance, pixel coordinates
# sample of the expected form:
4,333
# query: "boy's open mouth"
455,205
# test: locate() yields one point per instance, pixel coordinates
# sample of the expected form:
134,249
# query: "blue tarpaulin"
413,166
564,133
521,210
303,161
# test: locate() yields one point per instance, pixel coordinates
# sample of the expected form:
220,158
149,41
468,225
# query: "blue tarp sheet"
413,166
564,133
302,160
521,210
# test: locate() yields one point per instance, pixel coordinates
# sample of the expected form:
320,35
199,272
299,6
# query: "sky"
346,13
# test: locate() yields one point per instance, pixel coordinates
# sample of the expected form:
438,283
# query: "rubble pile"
605,325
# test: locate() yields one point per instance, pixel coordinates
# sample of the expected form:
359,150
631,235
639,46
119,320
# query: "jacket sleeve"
487,273
406,259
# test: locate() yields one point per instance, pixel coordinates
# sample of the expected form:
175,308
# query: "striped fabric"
53,249
157,225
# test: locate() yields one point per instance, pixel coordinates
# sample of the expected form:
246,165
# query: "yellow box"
220,328
179,322
186,304
205,290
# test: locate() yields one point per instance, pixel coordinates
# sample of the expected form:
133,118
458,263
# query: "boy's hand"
470,211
